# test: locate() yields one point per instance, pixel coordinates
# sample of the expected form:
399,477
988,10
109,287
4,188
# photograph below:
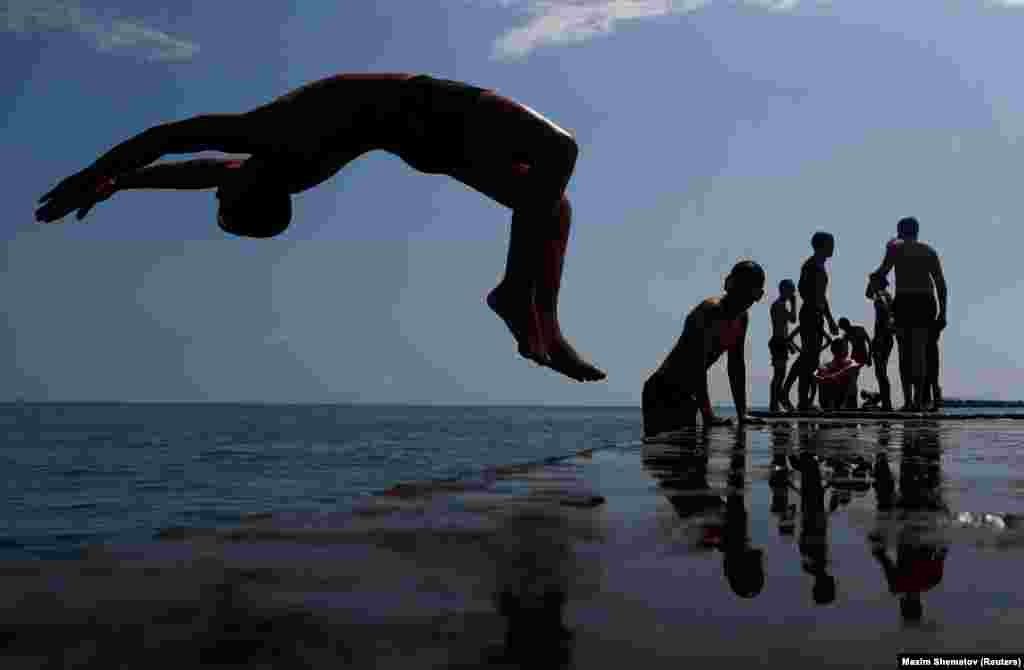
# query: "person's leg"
810,359
881,350
851,391
919,347
649,408
825,396
787,386
905,358
921,327
778,377
665,407
523,161
932,383
807,366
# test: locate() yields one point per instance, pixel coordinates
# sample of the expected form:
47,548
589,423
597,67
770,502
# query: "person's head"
787,289
823,243
907,228
252,203
744,570
911,608
838,348
745,284
824,589
844,323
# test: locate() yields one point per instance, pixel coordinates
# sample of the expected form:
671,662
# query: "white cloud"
567,21
108,33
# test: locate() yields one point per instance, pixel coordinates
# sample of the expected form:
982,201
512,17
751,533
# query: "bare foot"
520,317
564,358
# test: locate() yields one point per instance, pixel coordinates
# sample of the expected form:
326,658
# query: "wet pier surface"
801,542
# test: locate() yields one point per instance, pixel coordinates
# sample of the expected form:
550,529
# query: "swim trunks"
779,349
437,112
667,406
914,310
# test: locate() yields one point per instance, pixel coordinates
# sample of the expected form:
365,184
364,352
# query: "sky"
709,131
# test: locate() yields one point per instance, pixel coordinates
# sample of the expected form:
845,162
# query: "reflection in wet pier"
841,542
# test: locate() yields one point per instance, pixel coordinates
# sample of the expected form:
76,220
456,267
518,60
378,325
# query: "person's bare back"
916,265
782,315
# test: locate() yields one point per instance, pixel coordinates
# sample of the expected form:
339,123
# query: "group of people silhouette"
914,319
678,390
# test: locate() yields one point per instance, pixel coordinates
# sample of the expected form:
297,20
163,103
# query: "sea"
81,473
76,474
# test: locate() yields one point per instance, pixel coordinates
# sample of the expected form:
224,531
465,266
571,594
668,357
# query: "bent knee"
566,153
564,208
570,148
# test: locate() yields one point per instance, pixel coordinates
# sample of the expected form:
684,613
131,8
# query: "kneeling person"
678,389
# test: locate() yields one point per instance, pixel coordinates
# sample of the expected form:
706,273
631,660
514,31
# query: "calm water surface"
79,473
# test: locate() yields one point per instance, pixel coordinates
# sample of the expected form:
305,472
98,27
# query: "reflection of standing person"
932,390
678,389
742,564
683,477
814,310
919,563
779,482
814,529
919,280
783,313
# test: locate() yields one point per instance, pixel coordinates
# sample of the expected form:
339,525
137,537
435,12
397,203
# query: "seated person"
837,379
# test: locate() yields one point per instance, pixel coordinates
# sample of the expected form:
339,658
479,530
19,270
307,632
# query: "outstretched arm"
737,367
702,329
233,133
183,175
229,133
195,174
698,341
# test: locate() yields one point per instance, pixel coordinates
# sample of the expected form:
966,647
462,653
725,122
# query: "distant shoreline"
958,402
